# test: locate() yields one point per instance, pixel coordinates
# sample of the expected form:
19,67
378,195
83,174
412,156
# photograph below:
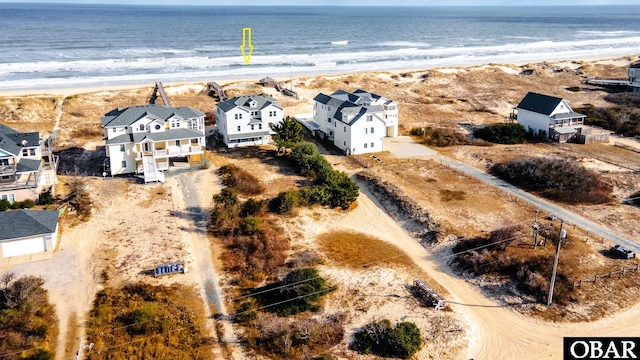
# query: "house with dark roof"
148,139
355,122
548,117
27,165
25,232
246,120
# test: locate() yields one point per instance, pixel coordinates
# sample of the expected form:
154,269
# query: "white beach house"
26,232
245,120
548,116
27,165
634,77
355,122
145,139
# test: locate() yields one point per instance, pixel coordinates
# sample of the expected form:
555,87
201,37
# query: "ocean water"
53,46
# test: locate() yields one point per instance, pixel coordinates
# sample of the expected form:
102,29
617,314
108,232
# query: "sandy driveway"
192,197
495,331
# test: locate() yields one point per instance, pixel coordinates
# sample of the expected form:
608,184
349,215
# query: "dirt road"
192,196
495,331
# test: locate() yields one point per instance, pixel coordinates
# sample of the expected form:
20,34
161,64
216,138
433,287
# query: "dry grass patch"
29,113
146,321
154,195
357,250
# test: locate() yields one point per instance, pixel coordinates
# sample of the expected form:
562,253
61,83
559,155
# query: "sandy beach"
69,91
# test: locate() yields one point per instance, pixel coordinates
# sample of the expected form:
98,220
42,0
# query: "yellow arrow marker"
246,42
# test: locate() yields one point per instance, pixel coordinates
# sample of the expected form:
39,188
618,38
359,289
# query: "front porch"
164,151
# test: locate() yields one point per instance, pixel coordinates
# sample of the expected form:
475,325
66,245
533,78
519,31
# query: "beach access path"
405,147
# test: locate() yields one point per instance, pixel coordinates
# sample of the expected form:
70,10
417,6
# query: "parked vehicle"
622,252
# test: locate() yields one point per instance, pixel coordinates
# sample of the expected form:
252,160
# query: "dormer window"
253,104
158,126
141,127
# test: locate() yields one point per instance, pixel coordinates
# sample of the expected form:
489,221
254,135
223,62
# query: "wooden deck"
214,90
154,95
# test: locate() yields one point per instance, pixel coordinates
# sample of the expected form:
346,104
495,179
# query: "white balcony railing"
7,169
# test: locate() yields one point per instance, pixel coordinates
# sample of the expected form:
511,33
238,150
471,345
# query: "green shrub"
140,320
286,202
623,119
4,205
383,339
502,133
299,291
288,132
45,198
26,204
253,207
250,226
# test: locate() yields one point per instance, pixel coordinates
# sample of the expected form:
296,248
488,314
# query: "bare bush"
555,178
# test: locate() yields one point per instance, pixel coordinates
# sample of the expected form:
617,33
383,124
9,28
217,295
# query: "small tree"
288,133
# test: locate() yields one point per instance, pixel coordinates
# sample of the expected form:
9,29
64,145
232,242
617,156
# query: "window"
369,117
259,126
124,164
345,129
158,126
252,127
236,116
239,128
114,130
365,145
329,108
121,147
25,152
344,143
366,131
372,130
371,144
177,142
329,120
5,177
9,197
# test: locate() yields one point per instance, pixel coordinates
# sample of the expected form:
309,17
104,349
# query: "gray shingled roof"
127,116
26,223
11,140
171,134
28,165
539,103
262,101
635,65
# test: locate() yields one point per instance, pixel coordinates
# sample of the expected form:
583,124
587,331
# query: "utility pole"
561,235
536,228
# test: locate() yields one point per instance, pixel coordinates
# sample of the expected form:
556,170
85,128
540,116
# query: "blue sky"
348,2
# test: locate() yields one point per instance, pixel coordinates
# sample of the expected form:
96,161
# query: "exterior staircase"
151,172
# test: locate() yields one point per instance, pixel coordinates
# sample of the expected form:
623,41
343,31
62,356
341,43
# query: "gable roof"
11,140
262,101
351,104
171,134
539,103
26,223
128,116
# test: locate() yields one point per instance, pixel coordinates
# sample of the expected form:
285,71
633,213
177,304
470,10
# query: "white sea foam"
16,75
341,42
404,44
